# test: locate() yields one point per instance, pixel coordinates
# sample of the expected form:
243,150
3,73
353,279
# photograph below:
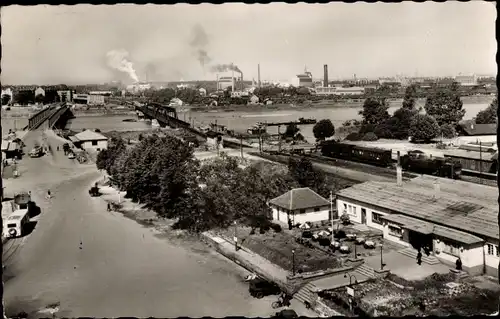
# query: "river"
237,120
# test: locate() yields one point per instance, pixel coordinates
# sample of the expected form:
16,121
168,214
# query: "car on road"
260,288
37,151
71,155
286,313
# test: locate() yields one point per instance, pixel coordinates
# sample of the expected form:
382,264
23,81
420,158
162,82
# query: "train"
414,161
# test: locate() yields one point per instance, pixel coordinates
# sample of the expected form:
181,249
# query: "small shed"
90,140
470,128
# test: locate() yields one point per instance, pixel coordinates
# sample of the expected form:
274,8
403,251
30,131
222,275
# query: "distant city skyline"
96,44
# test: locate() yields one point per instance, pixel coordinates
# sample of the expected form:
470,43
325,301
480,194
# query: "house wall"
472,256
87,145
354,210
310,215
396,239
491,258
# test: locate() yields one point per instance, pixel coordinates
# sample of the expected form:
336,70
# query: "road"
101,264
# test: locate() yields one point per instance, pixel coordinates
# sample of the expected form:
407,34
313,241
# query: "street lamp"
350,278
293,262
381,257
235,237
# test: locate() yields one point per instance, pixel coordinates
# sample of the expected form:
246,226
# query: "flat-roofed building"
451,218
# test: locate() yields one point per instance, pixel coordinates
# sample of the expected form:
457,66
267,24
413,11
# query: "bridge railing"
54,117
37,119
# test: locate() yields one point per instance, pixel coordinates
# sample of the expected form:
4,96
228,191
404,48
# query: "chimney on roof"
399,172
437,189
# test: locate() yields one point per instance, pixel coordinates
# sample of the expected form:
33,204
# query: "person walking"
419,258
459,264
49,195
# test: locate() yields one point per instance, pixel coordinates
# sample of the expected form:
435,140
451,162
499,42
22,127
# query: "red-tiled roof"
299,198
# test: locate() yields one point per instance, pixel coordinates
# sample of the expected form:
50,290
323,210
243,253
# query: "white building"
95,99
300,205
453,219
39,91
335,90
90,140
465,80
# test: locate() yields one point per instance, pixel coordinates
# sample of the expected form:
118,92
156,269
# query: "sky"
88,44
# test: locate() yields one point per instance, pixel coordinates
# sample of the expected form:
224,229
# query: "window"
451,249
354,210
345,206
94,143
376,218
395,231
493,250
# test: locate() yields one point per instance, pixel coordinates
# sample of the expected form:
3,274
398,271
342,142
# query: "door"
363,216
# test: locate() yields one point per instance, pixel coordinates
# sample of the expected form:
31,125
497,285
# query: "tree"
488,115
304,173
39,98
106,159
410,97
423,127
445,105
323,129
5,99
374,111
448,131
24,97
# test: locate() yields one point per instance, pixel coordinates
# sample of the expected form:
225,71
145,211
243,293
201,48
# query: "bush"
276,227
366,128
370,136
353,137
448,131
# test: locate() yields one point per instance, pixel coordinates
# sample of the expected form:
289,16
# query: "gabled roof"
89,135
299,198
472,129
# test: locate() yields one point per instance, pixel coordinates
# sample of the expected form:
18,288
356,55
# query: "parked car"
37,151
286,313
369,244
71,155
360,241
260,288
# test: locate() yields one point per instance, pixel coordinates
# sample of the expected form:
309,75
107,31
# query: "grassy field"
277,248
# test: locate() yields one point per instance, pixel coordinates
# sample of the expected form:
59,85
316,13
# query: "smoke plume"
199,43
225,68
117,59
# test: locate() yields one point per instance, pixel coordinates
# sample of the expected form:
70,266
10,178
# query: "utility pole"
331,213
480,164
279,139
241,146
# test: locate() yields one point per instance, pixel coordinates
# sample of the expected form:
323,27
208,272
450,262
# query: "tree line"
162,173
443,112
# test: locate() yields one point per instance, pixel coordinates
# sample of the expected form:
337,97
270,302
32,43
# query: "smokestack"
437,189
217,81
241,81
399,172
258,74
232,77
325,71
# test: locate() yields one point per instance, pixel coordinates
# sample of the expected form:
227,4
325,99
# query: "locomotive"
414,161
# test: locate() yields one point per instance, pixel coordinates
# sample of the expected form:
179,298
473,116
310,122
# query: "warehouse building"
450,218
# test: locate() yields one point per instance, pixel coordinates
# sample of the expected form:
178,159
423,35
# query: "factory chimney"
399,172
232,78
241,82
258,74
325,70
217,82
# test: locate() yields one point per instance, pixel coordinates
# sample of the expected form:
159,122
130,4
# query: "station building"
451,218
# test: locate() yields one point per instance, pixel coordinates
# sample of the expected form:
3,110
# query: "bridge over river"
54,115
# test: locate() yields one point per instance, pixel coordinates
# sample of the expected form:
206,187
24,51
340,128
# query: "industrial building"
304,79
451,218
340,90
88,99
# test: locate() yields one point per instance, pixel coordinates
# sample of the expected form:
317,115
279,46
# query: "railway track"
387,173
